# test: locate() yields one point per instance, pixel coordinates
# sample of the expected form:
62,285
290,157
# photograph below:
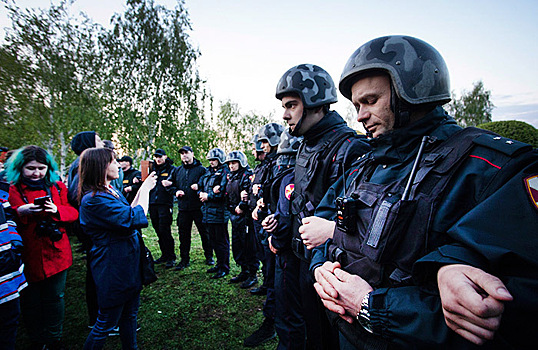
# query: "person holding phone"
113,225
40,202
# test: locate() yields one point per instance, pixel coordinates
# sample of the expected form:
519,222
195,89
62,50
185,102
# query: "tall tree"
152,84
49,77
472,108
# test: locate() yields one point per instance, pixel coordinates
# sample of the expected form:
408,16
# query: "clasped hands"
340,291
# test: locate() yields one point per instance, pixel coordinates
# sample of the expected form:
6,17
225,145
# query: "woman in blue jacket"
113,225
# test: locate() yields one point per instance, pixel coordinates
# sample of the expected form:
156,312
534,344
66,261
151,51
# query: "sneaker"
182,265
209,261
169,264
263,334
114,332
212,269
161,260
249,282
243,276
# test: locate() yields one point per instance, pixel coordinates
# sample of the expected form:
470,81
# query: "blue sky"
247,45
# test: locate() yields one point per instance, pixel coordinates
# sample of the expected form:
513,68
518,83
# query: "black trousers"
243,244
319,332
185,218
161,220
289,322
220,241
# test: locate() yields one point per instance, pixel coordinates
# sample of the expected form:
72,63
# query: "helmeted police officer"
212,190
329,146
243,240
428,194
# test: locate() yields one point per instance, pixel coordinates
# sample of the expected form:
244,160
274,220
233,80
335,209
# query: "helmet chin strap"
295,131
402,113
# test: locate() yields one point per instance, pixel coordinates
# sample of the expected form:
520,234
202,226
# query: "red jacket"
42,257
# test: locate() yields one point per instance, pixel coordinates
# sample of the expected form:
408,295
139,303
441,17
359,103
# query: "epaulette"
504,145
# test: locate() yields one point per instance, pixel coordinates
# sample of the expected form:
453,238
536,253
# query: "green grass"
181,310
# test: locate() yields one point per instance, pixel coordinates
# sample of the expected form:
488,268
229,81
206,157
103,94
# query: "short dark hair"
92,170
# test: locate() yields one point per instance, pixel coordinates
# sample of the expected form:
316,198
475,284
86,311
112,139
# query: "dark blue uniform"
215,214
468,204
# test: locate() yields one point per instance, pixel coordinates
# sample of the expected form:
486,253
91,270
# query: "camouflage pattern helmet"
237,156
256,143
271,133
418,71
288,144
312,83
216,153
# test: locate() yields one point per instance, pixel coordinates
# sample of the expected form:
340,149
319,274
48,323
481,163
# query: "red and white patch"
251,177
531,183
289,191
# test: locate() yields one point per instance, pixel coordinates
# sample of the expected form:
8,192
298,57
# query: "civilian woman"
112,224
47,252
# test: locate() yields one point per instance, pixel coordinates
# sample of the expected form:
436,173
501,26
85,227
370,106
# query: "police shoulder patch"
288,191
531,183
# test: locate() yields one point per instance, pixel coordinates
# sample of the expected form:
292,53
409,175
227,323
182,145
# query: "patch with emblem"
531,183
164,174
288,191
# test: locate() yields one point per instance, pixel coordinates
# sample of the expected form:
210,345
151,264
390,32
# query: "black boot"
250,281
263,334
240,278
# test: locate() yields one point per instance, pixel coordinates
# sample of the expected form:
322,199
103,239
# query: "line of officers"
418,235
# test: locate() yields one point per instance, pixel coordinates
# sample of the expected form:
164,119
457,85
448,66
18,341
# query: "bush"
515,130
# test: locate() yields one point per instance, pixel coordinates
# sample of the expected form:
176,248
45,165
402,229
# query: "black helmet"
271,133
417,70
312,83
216,153
237,156
257,143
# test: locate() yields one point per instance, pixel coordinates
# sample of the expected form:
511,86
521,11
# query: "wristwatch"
364,314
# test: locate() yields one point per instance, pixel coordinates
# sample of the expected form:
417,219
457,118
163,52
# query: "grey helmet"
312,83
418,72
237,156
288,144
216,153
271,133
256,143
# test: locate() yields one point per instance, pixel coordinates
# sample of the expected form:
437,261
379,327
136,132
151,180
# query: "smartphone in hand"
41,200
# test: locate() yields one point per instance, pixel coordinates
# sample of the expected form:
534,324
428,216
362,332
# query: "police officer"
160,208
329,147
184,186
428,194
289,322
269,138
212,190
243,241
132,178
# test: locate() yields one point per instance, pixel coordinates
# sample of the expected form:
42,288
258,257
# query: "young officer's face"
159,159
233,165
293,110
266,147
371,97
213,163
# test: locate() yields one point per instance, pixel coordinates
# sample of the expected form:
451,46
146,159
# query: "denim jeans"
124,316
9,320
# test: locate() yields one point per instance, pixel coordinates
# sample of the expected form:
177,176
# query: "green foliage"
473,107
515,130
234,130
49,78
181,310
152,83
